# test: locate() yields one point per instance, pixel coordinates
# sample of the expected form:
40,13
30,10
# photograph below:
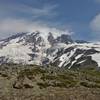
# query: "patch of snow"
65,58
81,61
77,57
16,52
14,40
96,57
72,64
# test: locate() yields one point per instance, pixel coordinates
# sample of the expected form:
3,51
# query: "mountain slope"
43,49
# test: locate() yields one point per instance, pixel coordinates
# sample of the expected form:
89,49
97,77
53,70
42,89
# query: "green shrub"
43,85
48,77
30,73
90,85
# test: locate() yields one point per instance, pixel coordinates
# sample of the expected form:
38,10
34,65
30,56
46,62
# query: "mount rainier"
47,49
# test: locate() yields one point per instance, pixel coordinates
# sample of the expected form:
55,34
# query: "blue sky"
82,17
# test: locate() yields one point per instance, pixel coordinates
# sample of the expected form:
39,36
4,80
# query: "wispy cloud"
20,17
11,9
95,24
97,0
9,26
45,11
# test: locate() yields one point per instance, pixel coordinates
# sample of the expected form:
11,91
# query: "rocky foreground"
30,82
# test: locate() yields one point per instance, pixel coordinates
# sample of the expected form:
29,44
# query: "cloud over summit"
18,17
19,25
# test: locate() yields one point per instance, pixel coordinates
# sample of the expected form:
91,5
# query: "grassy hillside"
31,82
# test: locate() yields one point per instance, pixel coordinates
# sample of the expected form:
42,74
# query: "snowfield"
36,48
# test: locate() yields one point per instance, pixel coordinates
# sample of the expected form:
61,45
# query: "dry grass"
43,84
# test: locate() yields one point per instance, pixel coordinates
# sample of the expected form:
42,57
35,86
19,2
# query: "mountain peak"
41,48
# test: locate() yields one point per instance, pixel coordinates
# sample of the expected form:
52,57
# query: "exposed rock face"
65,39
40,49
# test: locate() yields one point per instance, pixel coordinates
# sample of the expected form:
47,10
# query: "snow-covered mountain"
43,49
